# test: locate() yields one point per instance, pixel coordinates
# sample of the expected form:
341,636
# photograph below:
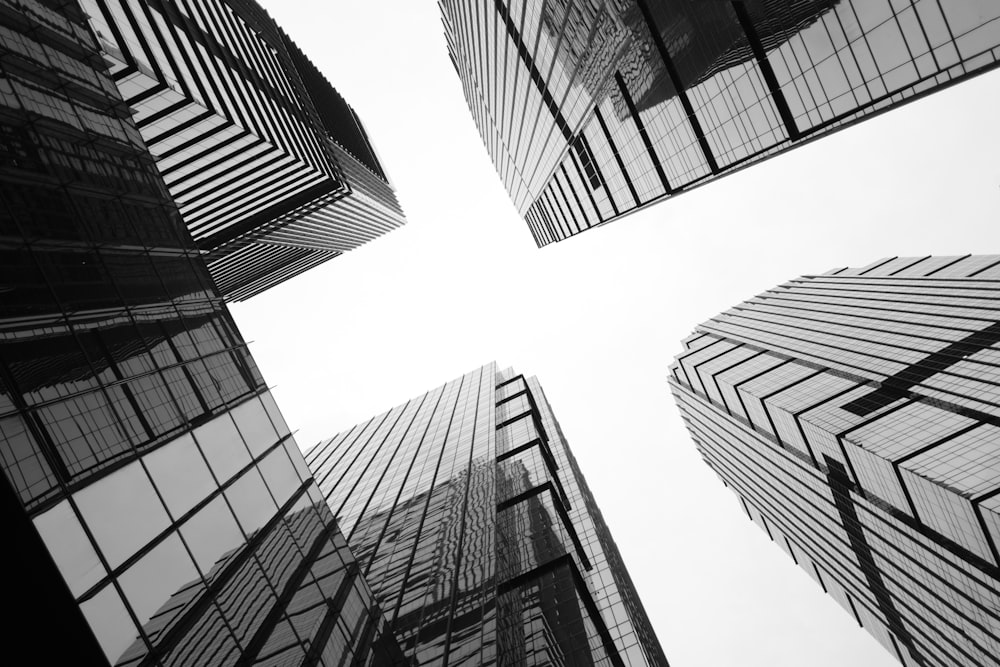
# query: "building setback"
477,533
591,110
271,169
156,509
856,415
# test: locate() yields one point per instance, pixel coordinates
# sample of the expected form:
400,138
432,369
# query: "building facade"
594,109
856,415
271,169
477,533
156,509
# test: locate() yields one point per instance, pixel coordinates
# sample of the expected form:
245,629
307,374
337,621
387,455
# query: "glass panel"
180,474
70,548
223,447
254,424
114,629
276,417
123,512
159,586
298,460
251,501
212,535
22,460
279,474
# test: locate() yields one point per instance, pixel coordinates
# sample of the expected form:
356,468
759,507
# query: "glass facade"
271,169
856,415
590,110
156,509
477,533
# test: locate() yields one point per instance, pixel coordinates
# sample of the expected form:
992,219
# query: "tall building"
156,509
271,169
856,415
477,533
593,109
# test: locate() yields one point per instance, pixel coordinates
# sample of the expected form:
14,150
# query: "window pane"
70,548
160,585
298,460
110,622
279,474
276,417
251,501
212,535
223,447
123,512
23,462
180,474
255,426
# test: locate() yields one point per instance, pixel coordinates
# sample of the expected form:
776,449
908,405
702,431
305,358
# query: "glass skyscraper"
477,533
594,109
856,415
273,172
156,509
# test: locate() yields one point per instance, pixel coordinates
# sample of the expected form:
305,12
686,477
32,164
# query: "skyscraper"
591,110
477,533
273,172
856,415
156,509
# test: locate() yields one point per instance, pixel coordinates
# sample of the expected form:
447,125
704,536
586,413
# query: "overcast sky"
599,317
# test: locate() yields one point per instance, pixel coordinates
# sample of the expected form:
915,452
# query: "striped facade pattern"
477,533
592,109
856,415
217,91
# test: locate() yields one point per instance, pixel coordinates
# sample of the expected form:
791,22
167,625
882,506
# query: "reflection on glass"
70,548
155,580
211,534
298,460
110,622
279,474
123,512
23,461
223,447
180,474
255,426
634,102
272,411
252,504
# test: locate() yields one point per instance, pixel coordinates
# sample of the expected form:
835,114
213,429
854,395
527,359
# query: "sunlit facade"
593,109
856,415
272,171
477,533
156,509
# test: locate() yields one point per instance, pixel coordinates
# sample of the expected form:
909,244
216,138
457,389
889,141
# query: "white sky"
599,317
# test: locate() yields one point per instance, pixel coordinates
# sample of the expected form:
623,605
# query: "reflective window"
180,474
274,413
280,475
212,535
70,547
298,460
123,512
22,460
254,424
108,618
251,501
223,447
159,585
